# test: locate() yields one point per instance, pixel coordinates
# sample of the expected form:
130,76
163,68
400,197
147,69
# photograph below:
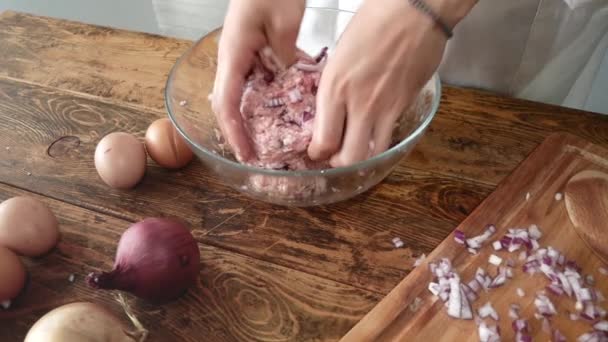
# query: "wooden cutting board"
402,317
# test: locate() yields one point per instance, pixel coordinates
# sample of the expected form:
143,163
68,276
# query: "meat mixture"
278,108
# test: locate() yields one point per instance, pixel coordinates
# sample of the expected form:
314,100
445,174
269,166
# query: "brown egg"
27,226
166,146
120,160
12,274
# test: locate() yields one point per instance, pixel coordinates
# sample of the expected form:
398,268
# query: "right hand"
250,25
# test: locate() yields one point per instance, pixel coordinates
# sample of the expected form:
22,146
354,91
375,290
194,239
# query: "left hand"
384,58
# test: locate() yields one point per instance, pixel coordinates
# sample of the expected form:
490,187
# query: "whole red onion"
157,259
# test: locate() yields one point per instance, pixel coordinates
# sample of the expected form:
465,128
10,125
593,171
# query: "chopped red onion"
495,260
544,305
471,295
534,232
477,241
595,336
519,337
487,310
505,241
459,237
520,325
559,196
557,336
601,326
488,333
497,245
573,316
520,292
295,95
454,301
509,272
585,295
531,266
473,251
500,278
565,284
434,288
603,271
474,285
555,289
514,311
546,326
589,311
590,280
419,260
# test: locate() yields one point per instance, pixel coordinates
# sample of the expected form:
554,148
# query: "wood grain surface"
237,298
64,85
51,136
544,174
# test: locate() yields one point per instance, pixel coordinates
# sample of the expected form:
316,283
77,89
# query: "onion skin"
157,260
83,322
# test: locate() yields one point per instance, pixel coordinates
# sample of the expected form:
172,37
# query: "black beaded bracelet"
423,7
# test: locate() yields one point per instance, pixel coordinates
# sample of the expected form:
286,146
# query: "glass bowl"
186,95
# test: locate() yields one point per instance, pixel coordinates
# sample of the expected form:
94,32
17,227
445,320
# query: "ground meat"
278,109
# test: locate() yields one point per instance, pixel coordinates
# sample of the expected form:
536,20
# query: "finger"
356,144
226,102
382,135
328,126
282,39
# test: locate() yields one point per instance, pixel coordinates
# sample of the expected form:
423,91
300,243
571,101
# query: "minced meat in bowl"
278,115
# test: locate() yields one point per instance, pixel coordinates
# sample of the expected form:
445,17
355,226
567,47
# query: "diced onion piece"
459,237
495,260
454,301
474,285
477,241
546,326
603,271
473,251
520,325
520,292
601,326
573,316
534,232
488,333
434,288
557,336
559,196
487,310
589,312
419,260
544,306
497,245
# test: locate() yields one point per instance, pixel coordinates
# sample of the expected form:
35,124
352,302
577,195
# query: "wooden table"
269,272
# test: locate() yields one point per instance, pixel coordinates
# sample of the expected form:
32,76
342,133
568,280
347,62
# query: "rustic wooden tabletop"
268,272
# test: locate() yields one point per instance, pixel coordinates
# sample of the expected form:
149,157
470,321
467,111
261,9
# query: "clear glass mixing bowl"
186,96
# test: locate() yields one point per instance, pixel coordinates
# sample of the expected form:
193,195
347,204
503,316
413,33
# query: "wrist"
451,11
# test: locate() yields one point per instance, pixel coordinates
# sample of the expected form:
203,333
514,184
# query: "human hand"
250,26
383,59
